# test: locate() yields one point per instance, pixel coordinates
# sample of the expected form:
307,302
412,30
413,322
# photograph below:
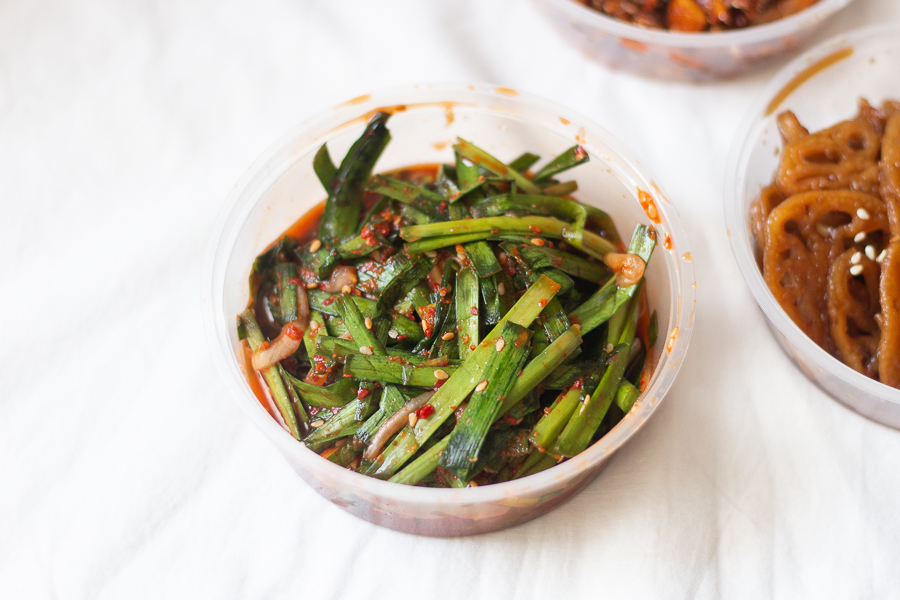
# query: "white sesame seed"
609,347
500,344
587,398
393,334
859,237
367,350
501,289
856,270
870,252
440,374
448,336
368,322
317,423
854,260
881,256
313,324
472,459
413,419
346,289
316,244
430,253
311,285
481,386
537,242
862,213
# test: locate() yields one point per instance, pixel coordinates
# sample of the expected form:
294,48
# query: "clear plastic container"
281,186
822,87
682,56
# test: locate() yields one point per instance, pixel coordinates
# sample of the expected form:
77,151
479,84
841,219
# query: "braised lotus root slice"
760,209
804,235
841,157
878,117
890,171
889,346
790,128
852,306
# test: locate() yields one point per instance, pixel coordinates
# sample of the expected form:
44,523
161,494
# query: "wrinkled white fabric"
127,471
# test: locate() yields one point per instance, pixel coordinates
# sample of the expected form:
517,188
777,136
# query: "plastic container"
682,56
823,88
281,186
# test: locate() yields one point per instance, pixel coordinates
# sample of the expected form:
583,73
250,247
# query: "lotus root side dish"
449,325
692,16
828,230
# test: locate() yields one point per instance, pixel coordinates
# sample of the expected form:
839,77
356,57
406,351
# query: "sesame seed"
430,253
440,374
367,350
368,322
854,260
859,237
316,244
311,285
393,334
317,423
856,270
537,242
501,289
587,398
448,336
346,289
473,459
413,419
870,252
881,256
862,213
473,484
481,386
609,347
500,344
313,324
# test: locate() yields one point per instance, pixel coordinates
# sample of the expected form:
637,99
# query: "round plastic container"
682,56
822,87
281,186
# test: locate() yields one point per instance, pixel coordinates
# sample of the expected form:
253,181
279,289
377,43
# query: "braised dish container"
822,87
681,56
281,186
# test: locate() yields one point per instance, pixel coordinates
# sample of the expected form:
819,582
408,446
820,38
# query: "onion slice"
394,424
287,342
629,268
341,276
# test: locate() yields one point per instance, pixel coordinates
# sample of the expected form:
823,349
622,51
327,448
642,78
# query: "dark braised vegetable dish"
829,233
698,15
449,325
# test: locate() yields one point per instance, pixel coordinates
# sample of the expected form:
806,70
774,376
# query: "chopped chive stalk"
388,370
524,162
549,227
344,455
560,189
287,291
467,316
581,427
572,157
626,396
426,463
345,194
324,167
249,329
542,366
481,158
332,396
498,377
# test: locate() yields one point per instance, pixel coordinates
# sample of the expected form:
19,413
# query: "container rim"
234,211
735,216
720,39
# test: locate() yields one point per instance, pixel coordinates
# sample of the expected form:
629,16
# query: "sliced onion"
629,268
341,276
394,424
302,308
287,342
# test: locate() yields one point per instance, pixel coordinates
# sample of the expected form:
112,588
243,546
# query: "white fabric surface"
127,471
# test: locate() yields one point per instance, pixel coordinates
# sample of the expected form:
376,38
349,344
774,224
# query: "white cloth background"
127,471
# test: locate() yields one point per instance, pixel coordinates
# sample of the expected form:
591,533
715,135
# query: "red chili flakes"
667,244
328,301
363,392
510,420
439,382
542,303
577,385
296,281
293,332
400,338
474,310
383,228
368,235
535,229
425,412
